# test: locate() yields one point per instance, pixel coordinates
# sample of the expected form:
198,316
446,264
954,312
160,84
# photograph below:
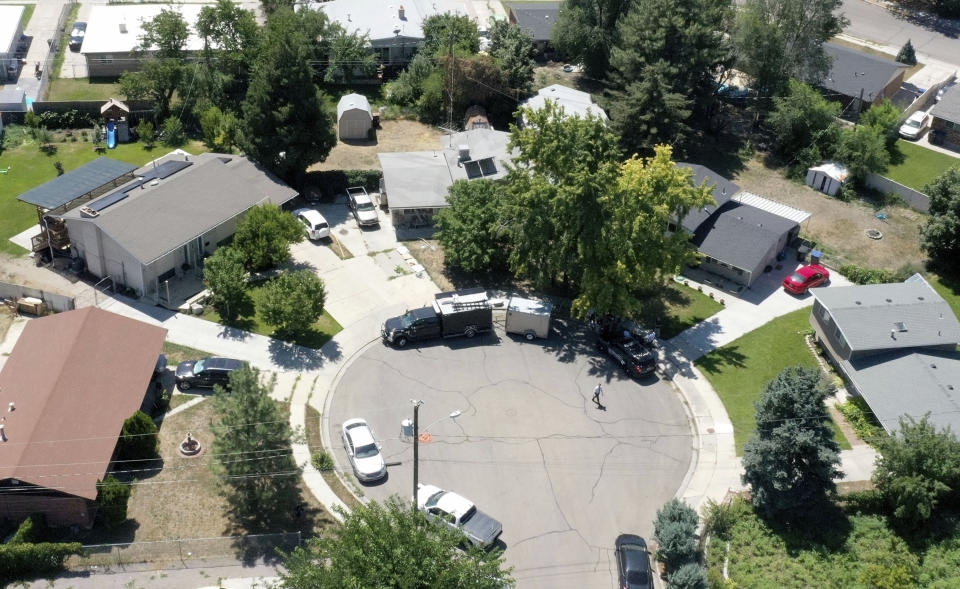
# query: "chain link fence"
186,553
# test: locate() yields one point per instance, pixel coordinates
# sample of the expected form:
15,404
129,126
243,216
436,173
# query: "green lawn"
27,13
29,167
83,89
920,165
250,320
949,289
739,370
685,308
841,549
177,353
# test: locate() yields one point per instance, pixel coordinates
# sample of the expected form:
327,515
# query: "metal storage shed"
354,117
827,178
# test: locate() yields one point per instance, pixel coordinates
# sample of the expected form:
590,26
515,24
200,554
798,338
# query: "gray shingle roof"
852,70
537,18
76,183
948,108
155,220
866,315
909,382
740,235
723,191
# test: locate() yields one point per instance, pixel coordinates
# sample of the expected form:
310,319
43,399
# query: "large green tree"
440,29
251,454
802,118
791,461
473,230
681,44
293,302
231,41
586,30
388,545
863,150
225,275
885,118
513,49
918,471
940,237
777,40
578,215
286,126
349,53
161,48
265,235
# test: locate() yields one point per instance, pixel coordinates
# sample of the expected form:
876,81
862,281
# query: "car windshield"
434,499
198,367
797,277
367,451
408,319
364,205
914,123
469,514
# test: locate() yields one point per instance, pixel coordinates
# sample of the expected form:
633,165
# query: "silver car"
361,205
363,450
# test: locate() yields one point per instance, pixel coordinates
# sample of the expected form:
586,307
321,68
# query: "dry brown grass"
839,226
315,441
431,258
395,135
6,320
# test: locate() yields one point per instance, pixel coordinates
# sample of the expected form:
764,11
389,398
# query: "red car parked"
805,278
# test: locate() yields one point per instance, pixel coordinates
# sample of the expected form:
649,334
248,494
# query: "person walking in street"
597,392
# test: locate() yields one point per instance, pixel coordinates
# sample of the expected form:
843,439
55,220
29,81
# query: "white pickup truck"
458,513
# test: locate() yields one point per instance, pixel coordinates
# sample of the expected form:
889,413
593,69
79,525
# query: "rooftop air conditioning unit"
464,152
88,212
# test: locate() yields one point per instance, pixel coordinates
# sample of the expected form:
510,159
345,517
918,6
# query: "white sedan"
363,450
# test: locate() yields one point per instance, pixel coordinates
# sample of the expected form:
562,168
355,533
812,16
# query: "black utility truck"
461,312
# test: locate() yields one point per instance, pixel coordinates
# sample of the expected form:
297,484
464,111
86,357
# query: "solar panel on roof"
166,169
111,199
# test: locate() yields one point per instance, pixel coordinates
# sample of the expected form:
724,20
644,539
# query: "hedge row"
860,275
27,561
331,183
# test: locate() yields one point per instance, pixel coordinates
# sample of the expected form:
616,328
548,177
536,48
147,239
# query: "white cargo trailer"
528,317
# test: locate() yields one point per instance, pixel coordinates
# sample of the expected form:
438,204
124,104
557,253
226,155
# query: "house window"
825,315
952,125
106,59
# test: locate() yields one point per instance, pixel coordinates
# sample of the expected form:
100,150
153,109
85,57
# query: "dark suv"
206,373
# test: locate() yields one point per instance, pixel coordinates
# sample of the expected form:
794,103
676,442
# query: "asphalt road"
935,37
530,448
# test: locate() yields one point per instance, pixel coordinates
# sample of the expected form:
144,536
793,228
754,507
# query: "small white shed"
354,117
827,177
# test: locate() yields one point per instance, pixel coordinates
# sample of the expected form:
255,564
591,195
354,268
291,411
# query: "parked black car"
77,34
633,563
627,351
206,373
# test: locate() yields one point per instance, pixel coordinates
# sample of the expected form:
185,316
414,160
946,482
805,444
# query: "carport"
354,117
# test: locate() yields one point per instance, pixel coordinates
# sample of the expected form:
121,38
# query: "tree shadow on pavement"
293,357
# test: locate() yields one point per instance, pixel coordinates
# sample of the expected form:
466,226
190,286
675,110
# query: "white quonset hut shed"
354,117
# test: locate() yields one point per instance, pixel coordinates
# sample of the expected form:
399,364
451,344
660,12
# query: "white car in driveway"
316,226
458,513
363,450
362,207
913,127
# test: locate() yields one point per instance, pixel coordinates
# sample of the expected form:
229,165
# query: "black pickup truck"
628,351
463,312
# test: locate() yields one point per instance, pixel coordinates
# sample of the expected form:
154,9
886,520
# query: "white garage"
354,117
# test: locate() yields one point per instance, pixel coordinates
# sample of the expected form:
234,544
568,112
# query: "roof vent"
464,151
900,326
123,27
889,300
857,302
402,13
11,407
893,334
950,387
932,365
919,298
88,212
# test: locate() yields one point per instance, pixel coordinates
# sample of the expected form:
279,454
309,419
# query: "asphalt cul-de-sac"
530,447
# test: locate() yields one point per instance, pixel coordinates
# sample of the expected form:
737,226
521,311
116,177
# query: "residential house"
856,75
160,226
537,18
946,117
70,382
113,33
743,234
896,346
11,30
575,103
415,183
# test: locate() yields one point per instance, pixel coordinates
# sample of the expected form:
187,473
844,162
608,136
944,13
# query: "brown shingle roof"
74,378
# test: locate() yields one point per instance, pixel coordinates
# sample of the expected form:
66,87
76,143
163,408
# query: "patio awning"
771,206
76,183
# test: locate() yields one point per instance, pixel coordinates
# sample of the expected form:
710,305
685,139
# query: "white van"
317,227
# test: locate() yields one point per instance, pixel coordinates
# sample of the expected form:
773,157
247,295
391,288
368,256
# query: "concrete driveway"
530,448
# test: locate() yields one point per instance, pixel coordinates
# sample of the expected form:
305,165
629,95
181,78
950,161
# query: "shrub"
71,119
719,518
138,438
173,133
689,576
336,182
907,54
112,498
31,530
861,419
675,529
265,235
860,275
293,302
24,561
31,119
322,461
145,131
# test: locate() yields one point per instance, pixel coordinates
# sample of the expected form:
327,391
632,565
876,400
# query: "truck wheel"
401,341
529,335
470,332
183,386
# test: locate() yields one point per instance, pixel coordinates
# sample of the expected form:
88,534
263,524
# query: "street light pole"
416,448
